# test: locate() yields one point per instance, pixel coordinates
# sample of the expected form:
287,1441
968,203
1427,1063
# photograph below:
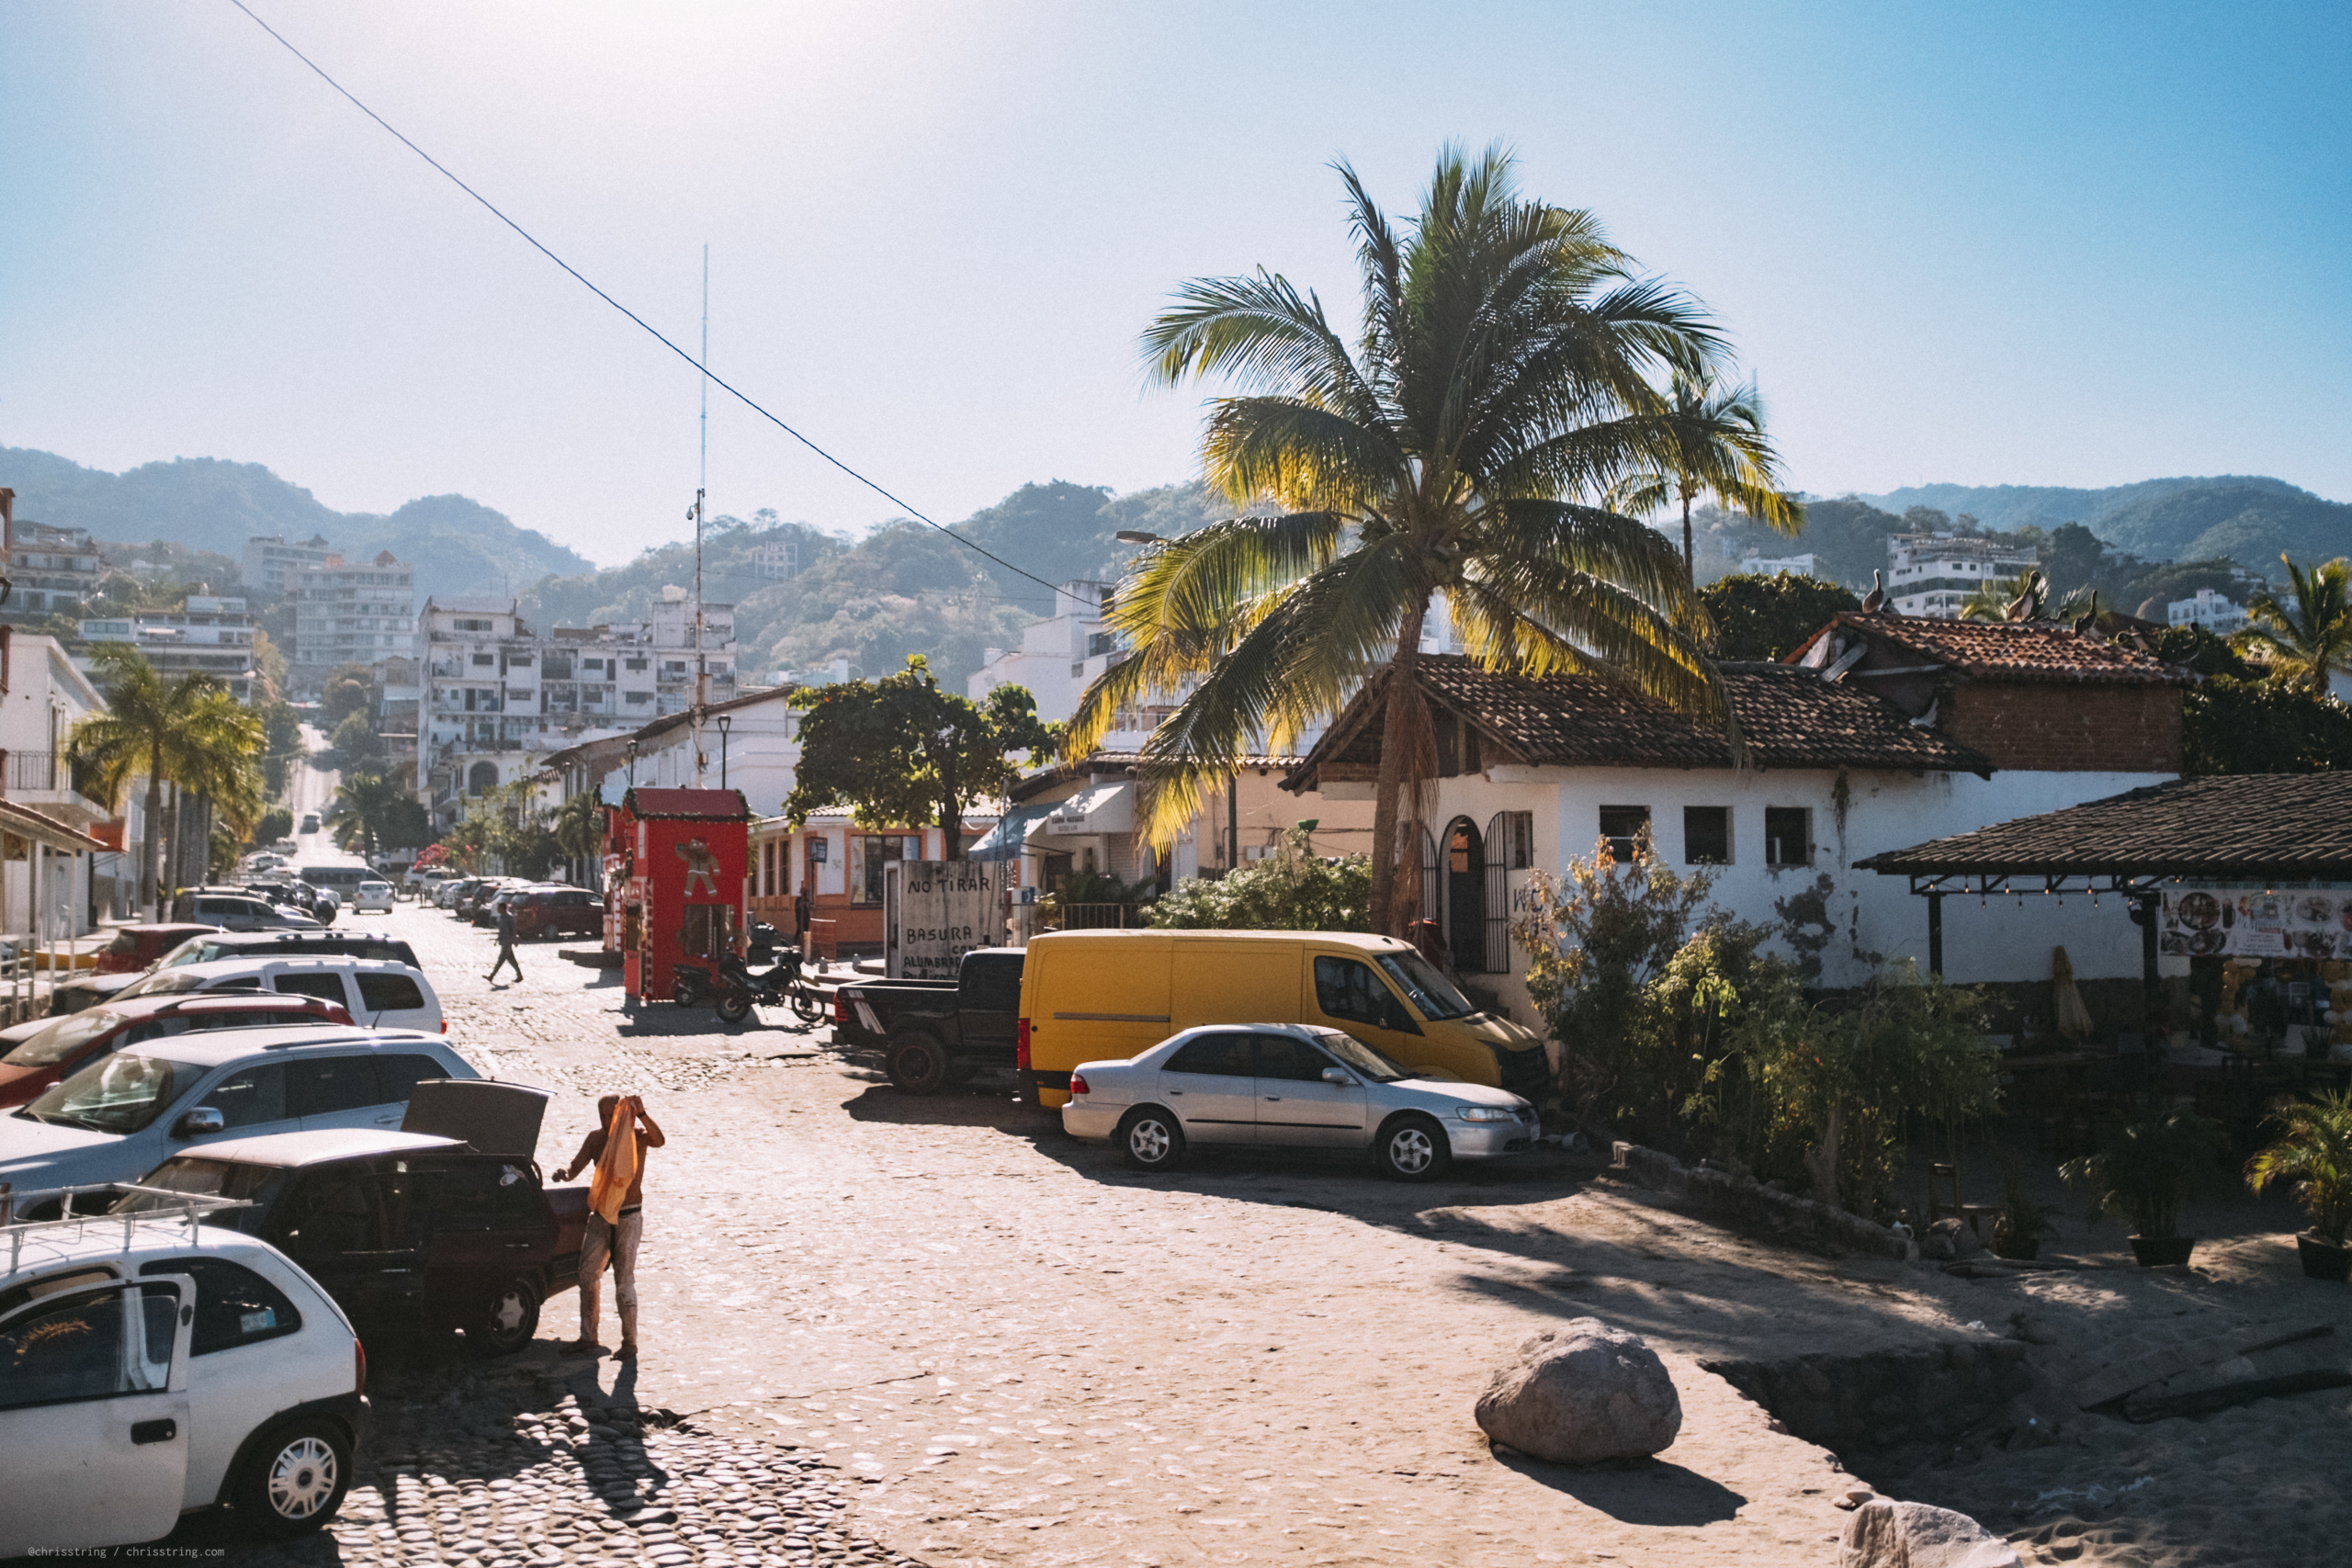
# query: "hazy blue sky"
2070,244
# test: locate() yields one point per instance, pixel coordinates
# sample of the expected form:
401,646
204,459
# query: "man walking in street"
506,941
617,1150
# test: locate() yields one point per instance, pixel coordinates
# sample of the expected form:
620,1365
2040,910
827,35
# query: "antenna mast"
702,482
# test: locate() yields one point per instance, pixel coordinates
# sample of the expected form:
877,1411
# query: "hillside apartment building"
351,613
1932,575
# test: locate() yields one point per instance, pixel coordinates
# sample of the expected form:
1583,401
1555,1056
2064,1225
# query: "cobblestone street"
879,1328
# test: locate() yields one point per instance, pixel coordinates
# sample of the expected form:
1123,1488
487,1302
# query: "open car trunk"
500,1119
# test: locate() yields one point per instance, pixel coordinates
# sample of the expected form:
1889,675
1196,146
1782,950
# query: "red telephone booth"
681,895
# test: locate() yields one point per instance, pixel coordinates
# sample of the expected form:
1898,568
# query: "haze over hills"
459,546
2249,518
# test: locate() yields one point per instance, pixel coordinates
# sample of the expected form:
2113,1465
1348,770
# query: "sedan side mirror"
1338,1076
199,1122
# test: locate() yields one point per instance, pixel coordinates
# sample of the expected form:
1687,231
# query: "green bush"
1292,890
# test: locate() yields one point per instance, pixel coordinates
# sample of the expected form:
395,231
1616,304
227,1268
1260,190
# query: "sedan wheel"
1150,1140
295,1480
1414,1148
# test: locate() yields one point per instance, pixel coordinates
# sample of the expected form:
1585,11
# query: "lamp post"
726,720
632,762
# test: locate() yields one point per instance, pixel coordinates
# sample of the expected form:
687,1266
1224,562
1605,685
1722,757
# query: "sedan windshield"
1431,991
120,1094
1372,1064
252,1184
64,1038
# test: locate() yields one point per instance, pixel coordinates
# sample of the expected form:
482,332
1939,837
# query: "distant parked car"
135,948
379,994
373,898
237,911
156,1367
557,911
309,823
121,1116
39,1054
1291,1085
210,945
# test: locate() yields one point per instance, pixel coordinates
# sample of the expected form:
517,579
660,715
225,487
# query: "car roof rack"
185,1213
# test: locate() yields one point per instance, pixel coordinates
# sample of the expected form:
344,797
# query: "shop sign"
939,910
2255,922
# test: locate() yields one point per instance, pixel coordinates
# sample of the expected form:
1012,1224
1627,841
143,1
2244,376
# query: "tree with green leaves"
902,752
1713,446
189,733
1768,616
371,813
1503,383
2306,637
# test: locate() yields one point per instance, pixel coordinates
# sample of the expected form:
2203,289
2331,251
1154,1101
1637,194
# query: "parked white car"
155,1366
380,993
372,898
126,1114
1290,1085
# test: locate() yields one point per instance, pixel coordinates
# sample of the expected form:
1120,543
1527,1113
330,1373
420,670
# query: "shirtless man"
618,1242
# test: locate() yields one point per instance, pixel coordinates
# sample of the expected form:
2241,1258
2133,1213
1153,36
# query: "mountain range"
2247,518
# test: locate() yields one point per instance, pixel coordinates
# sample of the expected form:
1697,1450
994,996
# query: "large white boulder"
1883,1534
1581,1393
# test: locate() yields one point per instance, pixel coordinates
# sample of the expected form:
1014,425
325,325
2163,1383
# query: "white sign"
941,911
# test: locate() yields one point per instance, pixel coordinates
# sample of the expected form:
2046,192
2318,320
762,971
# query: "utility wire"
529,239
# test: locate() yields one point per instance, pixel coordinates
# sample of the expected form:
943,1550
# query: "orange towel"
616,1166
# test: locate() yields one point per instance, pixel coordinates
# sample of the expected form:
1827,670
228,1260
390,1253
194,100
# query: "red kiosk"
678,859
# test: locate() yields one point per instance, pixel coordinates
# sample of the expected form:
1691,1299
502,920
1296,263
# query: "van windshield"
1431,991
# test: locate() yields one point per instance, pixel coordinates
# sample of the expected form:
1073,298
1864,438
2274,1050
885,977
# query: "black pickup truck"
936,1032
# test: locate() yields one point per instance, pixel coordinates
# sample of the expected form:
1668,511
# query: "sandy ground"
1032,1357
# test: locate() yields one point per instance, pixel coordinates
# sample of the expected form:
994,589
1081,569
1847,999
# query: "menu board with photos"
2199,922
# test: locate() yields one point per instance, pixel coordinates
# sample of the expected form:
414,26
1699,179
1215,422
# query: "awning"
23,822
1108,808
1013,830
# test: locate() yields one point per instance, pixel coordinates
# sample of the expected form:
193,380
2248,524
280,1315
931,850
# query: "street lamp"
1137,536
632,762
725,720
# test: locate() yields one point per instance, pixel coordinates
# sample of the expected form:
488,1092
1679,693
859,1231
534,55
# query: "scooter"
775,986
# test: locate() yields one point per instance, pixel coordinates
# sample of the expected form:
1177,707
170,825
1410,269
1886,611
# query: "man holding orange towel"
616,1219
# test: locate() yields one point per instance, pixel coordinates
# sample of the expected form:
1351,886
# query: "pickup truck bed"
931,1034
865,1028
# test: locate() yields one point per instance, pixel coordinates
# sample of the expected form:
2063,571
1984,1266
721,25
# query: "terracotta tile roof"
1789,717
2262,826
2011,650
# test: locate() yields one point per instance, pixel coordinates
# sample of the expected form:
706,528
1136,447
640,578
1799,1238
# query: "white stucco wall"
1873,918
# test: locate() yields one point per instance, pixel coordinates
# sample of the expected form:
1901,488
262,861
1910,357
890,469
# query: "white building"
750,743
1933,574
353,613
42,696
1889,731
2217,613
1772,566
269,561
497,698
54,570
208,635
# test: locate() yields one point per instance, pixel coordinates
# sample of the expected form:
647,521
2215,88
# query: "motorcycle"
775,986
691,985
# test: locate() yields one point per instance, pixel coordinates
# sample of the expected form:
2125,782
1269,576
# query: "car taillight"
358,1369
1021,1046
841,1008
1077,1084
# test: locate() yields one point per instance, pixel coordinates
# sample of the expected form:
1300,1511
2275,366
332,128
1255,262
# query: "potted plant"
2313,1156
2018,1228
2144,1169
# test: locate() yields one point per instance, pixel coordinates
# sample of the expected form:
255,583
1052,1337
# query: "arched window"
481,778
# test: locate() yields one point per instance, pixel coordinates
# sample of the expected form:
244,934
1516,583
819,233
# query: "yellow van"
1092,996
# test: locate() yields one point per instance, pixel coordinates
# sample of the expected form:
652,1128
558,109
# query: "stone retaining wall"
1875,1401
1741,1201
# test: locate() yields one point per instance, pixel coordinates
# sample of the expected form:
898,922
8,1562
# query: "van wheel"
294,1480
1149,1139
508,1321
1413,1148
917,1063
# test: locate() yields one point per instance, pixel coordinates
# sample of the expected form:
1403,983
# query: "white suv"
126,1114
380,993
156,1367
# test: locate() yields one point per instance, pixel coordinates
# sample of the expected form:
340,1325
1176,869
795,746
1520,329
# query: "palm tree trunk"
1386,798
1689,557
154,845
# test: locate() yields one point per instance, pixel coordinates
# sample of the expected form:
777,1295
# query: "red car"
136,947
49,1049
556,911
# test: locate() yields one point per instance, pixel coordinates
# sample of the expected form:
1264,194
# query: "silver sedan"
1290,1085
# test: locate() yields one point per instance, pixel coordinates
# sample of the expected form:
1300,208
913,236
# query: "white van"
380,993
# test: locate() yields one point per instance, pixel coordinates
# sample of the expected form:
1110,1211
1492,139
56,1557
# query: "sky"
2003,244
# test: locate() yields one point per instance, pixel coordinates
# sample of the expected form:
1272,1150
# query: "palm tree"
365,812
1503,376
2304,643
188,732
2020,598
1714,445
580,828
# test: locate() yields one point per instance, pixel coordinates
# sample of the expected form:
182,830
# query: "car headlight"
1485,1114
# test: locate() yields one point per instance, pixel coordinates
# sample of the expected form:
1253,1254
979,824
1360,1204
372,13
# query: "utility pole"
702,477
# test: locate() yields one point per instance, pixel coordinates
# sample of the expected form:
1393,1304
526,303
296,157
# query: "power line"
529,239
